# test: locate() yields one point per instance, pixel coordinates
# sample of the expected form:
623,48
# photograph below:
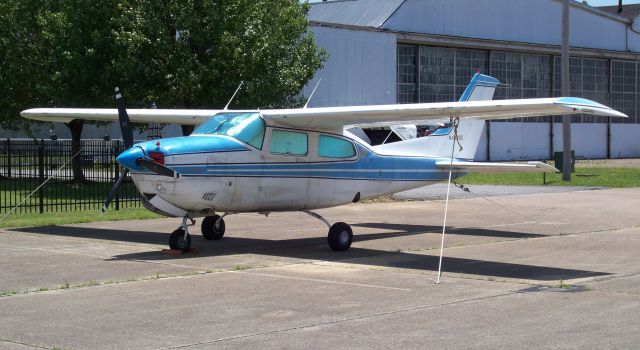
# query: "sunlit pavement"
541,270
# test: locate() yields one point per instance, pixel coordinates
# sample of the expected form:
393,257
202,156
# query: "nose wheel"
180,239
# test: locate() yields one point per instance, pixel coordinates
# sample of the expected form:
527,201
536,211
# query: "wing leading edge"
167,116
337,117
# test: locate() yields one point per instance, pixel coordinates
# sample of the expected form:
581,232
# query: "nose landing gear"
180,238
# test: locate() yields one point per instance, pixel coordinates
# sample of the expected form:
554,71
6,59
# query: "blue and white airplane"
304,159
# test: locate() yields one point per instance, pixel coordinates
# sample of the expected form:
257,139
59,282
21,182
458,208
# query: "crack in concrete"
26,344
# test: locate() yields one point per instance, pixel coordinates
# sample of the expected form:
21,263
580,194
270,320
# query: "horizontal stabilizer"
483,167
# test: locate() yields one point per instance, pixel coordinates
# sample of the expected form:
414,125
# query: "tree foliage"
197,52
186,54
55,54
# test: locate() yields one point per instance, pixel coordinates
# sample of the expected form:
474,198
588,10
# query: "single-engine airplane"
303,159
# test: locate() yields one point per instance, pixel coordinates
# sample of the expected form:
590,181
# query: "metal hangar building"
409,51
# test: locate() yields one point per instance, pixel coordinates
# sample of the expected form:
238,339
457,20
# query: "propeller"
127,136
155,167
123,117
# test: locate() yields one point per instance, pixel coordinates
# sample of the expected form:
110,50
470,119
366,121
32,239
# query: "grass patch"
592,176
75,217
61,192
564,285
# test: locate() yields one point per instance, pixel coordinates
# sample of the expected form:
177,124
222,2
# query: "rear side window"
288,142
335,147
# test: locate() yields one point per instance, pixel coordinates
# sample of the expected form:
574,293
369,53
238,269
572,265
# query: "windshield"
246,127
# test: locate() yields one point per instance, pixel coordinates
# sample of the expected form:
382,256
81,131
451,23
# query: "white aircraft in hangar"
263,161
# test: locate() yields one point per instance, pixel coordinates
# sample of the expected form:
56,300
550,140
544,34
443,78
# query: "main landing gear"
340,234
213,227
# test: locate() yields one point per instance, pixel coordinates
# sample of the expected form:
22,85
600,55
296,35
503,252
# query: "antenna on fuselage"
312,92
234,95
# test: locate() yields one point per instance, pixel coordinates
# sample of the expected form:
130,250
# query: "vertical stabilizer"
481,87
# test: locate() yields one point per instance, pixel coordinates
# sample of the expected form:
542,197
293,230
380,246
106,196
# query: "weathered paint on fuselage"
222,174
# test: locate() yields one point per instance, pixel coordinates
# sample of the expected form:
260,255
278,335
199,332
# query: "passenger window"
288,142
334,147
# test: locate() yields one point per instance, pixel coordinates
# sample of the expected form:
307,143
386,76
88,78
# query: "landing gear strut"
340,234
180,238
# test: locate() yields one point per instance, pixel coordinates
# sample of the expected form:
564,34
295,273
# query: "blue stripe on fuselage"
369,167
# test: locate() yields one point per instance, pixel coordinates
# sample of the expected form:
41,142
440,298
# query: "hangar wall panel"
530,141
512,20
625,142
360,69
589,140
519,141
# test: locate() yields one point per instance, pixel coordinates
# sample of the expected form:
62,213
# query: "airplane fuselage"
287,170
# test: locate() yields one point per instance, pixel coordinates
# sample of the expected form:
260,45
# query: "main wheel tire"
178,241
209,228
340,237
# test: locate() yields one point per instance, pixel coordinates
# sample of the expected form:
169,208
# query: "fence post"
8,158
41,174
117,172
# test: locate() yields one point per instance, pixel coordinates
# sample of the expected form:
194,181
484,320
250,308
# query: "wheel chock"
179,251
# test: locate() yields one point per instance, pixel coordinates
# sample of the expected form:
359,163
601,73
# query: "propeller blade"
114,191
155,167
125,127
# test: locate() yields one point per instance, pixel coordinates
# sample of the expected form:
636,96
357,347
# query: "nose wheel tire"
340,237
178,241
211,228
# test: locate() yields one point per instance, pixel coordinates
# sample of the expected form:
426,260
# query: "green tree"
193,54
57,53
178,54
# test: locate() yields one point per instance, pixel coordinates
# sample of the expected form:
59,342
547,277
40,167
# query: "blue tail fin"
480,88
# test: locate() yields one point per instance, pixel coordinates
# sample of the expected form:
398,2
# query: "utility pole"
566,119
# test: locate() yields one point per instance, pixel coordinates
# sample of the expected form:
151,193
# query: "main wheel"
178,241
211,228
340,237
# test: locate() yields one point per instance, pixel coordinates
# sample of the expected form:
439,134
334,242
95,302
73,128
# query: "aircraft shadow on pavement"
315,248
412,229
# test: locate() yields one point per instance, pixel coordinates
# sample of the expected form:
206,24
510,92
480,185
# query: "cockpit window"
246,127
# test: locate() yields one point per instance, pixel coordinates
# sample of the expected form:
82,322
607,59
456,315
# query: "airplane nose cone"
128,158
